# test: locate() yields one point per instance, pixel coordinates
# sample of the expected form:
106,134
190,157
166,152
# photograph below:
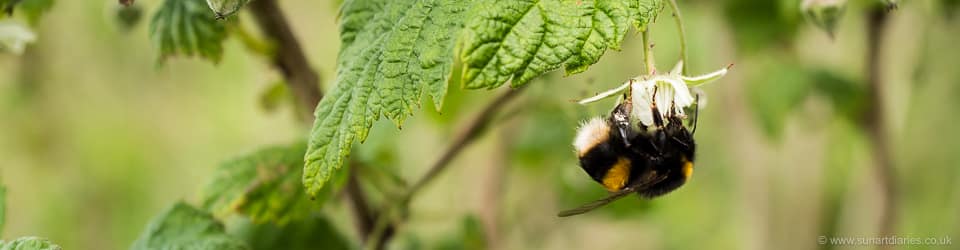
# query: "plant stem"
289,57
875,120
383,227
649,65
361,210
304,83
476,128
682,32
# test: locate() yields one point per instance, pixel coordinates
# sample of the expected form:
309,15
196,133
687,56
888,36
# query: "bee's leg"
620,118
673,109
696,114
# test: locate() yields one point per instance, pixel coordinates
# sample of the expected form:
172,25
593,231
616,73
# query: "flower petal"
677,69
605,94
681,95
642,98
703,79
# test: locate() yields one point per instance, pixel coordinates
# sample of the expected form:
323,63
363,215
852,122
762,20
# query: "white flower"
670,93
14,36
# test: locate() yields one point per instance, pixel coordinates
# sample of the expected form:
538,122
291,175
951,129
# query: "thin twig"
384,227
683,34
875,120
361,210
304,82
290,58
477,126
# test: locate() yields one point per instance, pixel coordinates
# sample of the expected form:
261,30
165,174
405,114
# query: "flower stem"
650,67
288,58
682,33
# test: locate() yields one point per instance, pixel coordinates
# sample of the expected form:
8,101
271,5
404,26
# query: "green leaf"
33,9
471,236
225,8
848,97
393,51
609,23
825,14
6,6
520,40
275,95
187,27
185,227
29,243
264,185
304,234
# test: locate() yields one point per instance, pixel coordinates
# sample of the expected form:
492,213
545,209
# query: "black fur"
658,155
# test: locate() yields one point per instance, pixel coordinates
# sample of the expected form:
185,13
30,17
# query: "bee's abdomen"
598,160
603,155
677,173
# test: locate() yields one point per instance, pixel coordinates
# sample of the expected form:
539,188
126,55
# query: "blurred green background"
95,138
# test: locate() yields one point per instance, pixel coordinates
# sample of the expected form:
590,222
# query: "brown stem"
874,121
304,83
289,58
477,126
384,228
361,210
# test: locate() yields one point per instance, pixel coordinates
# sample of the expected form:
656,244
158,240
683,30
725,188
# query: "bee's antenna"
696,114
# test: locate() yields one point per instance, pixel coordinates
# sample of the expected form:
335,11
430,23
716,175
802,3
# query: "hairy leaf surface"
264,186
316,232
187,27
29,243
184,227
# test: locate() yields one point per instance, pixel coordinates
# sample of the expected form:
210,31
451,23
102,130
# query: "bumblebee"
627,157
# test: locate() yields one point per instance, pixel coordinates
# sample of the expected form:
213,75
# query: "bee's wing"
595,204
610,198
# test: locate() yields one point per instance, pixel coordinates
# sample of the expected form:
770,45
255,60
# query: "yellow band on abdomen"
617,175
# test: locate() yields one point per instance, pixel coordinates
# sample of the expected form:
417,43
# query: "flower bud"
224,8
825,14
